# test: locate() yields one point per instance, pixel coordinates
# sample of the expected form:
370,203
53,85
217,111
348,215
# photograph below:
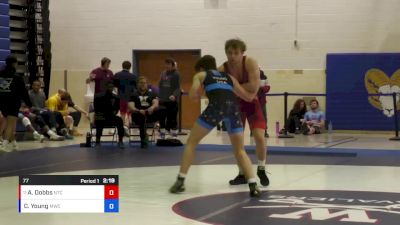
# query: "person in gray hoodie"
170,90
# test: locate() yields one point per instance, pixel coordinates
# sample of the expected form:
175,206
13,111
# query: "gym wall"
85,31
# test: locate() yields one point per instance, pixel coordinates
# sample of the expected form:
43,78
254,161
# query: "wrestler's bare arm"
253,70
198,79
241,92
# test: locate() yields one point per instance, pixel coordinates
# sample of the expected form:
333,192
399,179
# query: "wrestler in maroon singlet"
250,110
247,72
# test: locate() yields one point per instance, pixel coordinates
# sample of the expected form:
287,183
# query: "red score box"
111,192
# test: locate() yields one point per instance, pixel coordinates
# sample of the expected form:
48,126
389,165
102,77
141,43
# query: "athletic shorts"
253,112
9,108
216,112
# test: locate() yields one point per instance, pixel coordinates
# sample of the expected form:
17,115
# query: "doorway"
150,63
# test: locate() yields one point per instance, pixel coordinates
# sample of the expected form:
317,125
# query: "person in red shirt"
101,76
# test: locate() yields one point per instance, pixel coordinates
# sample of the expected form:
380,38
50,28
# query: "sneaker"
5,147
56,137
239,179
177,187
174,134
38,137
297,131
121,145
254,190
66,134
14,145
263,176
223,127
97,146
144,144
126,131
64,131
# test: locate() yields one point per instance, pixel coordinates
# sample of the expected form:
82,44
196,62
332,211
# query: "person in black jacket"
125,81
12,92
296,115
106,107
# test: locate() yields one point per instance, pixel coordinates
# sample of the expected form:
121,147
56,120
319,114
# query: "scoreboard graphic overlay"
68,194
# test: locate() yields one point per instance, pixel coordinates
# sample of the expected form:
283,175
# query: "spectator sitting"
314,120
40,115
106,107
296,117
126,84
23,116
60,102
170,91
144,108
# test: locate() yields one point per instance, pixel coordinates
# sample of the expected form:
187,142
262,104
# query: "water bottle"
277,127
330,128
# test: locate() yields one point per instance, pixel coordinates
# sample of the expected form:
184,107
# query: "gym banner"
350,78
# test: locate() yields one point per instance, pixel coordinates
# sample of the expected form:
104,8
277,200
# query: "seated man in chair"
144,107
106,107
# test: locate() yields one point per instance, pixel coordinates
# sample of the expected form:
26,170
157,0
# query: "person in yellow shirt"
61,102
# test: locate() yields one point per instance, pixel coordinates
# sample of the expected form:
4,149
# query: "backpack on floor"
169,142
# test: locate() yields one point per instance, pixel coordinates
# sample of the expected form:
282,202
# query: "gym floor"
328,165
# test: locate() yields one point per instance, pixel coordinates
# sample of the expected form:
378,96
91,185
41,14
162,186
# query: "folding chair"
153,126
112,134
